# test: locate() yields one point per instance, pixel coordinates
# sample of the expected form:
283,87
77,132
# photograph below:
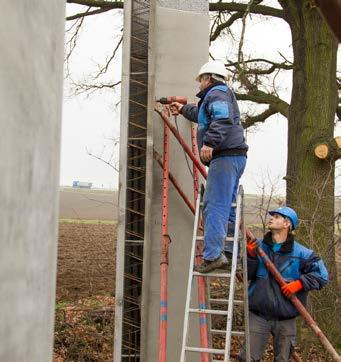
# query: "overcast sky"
90,123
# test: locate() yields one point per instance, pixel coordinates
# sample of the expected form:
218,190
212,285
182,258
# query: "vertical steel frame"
131,237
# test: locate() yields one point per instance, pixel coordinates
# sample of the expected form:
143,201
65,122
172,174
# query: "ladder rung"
213,275
225,301
238,333
223,331
201,238
218,331
207,350
208,311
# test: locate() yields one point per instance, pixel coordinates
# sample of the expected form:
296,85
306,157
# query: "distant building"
82,185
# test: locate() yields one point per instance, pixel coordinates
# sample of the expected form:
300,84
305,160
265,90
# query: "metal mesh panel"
136,175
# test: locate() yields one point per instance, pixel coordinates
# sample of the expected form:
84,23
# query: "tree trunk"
310,181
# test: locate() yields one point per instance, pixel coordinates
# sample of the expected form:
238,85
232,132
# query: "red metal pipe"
165,118
295,301
196,155
205,357
164,251
175,183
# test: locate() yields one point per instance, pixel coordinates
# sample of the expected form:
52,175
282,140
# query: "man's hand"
206,153
176,108
291,288
251,247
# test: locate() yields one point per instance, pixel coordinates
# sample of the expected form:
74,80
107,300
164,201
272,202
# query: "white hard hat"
213,67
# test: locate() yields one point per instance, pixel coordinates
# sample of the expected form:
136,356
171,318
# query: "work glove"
291,288
251,247
176,108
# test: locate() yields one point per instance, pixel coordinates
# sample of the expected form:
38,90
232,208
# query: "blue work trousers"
221,190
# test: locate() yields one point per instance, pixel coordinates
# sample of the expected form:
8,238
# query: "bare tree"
311,113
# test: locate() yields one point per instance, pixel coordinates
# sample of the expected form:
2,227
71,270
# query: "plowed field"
86,260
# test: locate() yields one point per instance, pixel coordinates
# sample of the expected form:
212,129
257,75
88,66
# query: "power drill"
171,99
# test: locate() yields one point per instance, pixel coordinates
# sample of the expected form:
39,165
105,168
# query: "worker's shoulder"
219,93
300,251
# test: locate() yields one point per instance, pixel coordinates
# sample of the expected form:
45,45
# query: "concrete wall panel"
31,64
180,46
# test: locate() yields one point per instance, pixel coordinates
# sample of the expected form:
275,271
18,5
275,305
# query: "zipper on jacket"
286,266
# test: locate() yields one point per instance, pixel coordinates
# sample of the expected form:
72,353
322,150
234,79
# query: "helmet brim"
285,216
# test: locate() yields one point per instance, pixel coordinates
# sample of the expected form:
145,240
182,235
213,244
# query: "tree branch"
252,120
254,9
80,88
261,97
241,42
101,158
98,3
260,71
82,15
104,69
72,42
225,25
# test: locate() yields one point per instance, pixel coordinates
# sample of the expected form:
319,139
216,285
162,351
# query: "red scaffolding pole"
165,117
167,176
164,251
175,183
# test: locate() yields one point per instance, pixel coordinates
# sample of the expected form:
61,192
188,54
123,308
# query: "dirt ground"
84,324
84,320
86,260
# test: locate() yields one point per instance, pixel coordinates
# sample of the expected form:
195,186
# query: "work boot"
209,265
228,255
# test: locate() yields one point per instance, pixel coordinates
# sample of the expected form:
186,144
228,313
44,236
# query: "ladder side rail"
232,280
245,282
189,283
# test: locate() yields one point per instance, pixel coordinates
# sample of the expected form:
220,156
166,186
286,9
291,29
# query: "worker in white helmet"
222,147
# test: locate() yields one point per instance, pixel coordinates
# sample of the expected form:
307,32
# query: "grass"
79,221
61,304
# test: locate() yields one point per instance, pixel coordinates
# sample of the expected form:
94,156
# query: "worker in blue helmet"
271,311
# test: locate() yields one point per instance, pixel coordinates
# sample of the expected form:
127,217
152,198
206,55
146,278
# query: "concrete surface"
31,73
179,46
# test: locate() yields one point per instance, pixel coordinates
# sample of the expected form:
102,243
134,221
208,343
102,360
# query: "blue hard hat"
288,212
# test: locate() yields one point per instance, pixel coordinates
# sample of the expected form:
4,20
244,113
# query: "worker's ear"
288,224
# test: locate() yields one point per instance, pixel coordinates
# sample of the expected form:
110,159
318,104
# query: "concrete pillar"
179,40
31,73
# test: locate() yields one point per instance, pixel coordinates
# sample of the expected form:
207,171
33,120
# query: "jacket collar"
203,93
286,247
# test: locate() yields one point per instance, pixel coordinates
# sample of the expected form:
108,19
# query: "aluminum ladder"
230,303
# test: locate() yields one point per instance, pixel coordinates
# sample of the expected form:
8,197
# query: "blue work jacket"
293,261
218,118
